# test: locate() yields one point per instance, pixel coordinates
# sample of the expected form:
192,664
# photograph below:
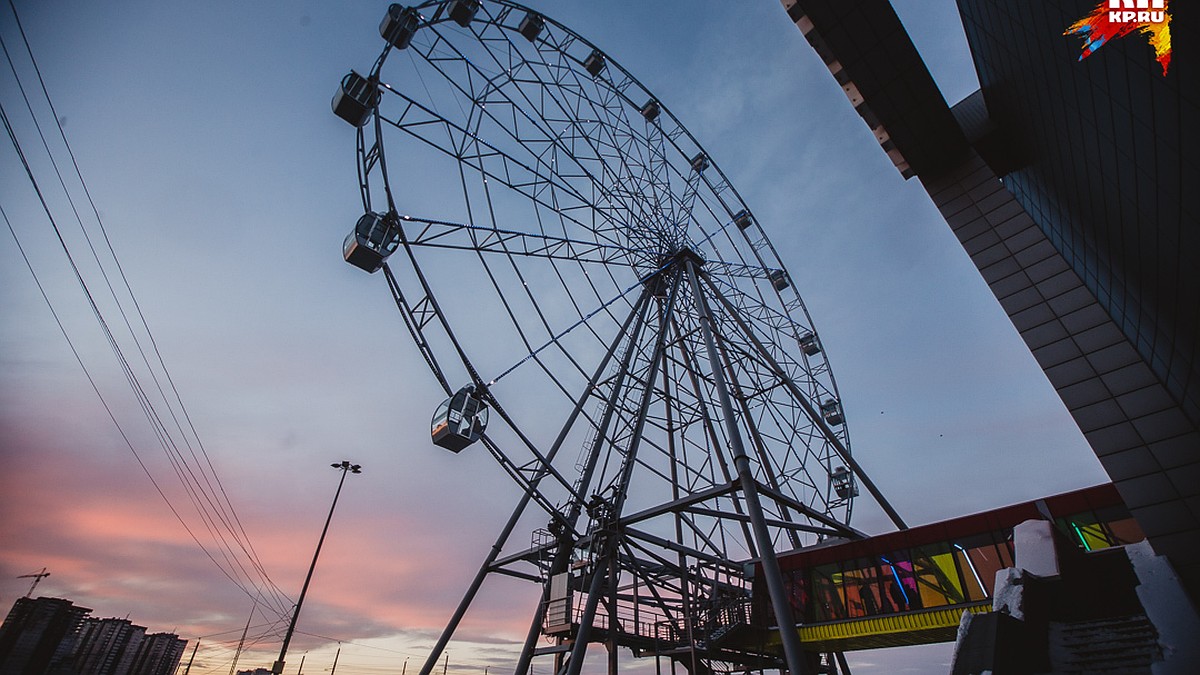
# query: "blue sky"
226,185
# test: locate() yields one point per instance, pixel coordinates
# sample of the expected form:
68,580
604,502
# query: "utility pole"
335,659
346,467
189,665
242,643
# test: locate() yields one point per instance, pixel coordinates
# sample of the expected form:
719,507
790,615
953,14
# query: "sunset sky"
225,185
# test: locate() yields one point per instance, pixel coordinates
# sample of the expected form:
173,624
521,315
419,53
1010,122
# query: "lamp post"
346,467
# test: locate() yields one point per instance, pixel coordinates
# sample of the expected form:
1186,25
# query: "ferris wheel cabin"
531,26
594,63
843,483
399,25
355,99
463,11
460,420
650,110
809,345
779,279
832,410
374,238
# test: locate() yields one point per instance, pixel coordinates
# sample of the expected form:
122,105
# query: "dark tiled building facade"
1110,171
1074,188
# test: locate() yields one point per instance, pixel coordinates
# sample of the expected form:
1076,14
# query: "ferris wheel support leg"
494,553
579,649
685,596
691,368
793,652
614,576
812,413
605,569
756,440
476,583
563,557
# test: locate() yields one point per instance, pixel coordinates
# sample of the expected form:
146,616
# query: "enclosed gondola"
374,238
355,99
594,63
742,219
531,26
650,110
843,483
463,11
399,25
779,279
832,410
460,420
809,344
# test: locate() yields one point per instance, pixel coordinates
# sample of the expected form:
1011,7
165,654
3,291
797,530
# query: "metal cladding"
996,166
883,76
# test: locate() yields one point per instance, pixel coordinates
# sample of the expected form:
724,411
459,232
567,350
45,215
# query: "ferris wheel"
576,270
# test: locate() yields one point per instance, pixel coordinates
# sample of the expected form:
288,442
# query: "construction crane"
37,579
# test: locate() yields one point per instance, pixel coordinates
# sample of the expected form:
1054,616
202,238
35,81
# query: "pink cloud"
93,519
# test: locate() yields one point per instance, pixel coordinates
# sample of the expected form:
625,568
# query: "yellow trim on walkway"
897,623
920,627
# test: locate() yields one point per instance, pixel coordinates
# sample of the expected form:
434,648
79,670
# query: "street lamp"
346,467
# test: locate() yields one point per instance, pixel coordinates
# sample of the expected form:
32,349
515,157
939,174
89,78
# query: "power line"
127,370
246,546
96,389
216,511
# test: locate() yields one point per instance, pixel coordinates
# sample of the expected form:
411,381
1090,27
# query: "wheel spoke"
424,232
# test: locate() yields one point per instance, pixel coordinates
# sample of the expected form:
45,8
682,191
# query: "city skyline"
53,635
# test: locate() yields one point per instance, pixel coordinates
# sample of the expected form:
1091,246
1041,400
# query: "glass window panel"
973,580
851,583
902,586
1126,531
874,590
798,597
938,580
1004,547
986,562
827,598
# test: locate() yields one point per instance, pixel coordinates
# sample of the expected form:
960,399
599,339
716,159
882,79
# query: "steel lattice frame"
600,278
